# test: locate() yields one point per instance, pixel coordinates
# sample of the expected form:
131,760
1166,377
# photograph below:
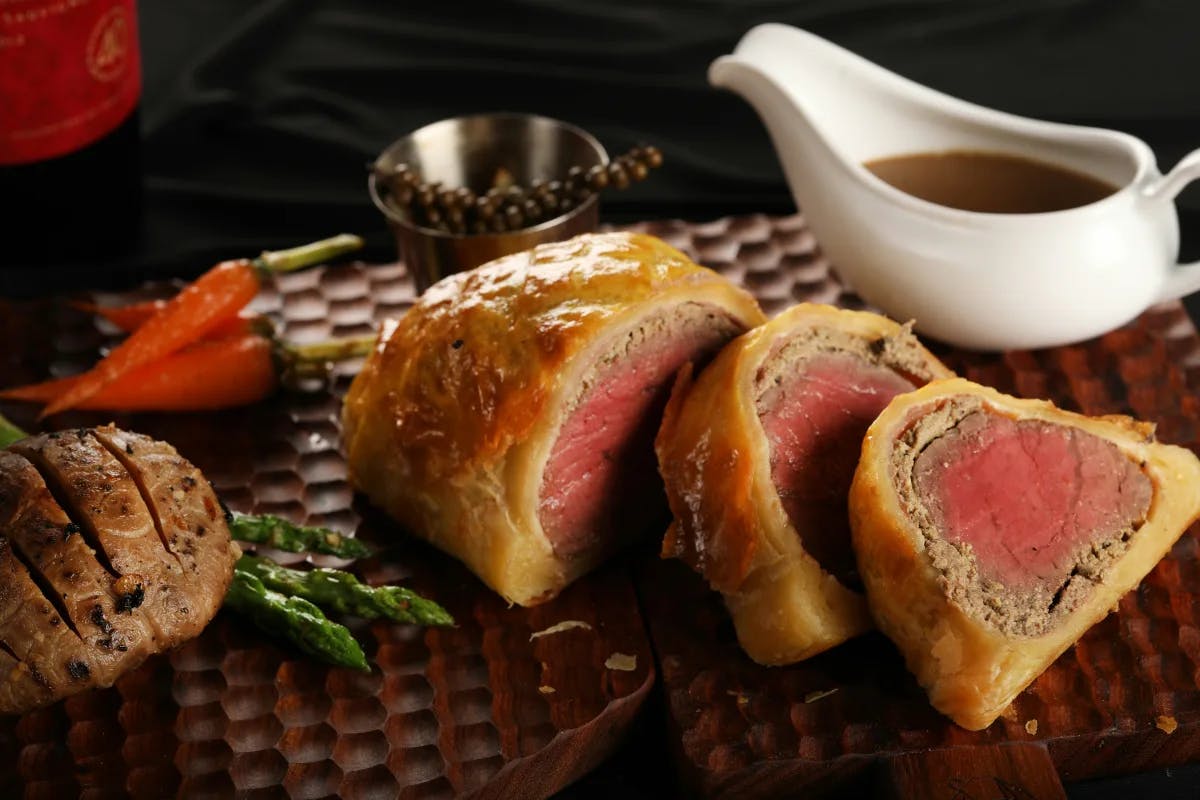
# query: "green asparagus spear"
342,592
279,533
9,433
295,618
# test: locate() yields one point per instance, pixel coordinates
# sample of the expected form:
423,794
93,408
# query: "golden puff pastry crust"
974,657
451,423
731,523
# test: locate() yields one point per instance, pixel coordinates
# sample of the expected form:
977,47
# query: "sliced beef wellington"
89,586
992,532
757,454
508,417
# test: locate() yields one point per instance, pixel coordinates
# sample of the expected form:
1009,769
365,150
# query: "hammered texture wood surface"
816,728
480,710
460,711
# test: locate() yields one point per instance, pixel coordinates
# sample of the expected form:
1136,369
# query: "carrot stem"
307,254
300,362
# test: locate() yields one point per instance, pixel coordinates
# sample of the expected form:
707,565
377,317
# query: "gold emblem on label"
108,45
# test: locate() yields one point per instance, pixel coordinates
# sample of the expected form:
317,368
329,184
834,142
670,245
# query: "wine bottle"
70,91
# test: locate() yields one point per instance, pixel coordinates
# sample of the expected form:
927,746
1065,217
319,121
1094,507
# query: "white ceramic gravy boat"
978,280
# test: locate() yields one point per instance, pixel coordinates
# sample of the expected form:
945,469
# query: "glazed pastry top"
468,370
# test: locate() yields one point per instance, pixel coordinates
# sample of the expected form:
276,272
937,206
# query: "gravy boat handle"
1183,279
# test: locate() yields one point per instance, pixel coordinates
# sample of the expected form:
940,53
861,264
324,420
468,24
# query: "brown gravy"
990,182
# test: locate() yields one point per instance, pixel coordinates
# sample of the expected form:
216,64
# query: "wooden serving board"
460,711
480,710
853,721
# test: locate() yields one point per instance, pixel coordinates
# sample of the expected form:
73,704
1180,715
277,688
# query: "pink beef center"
601,481
815,421
1027,495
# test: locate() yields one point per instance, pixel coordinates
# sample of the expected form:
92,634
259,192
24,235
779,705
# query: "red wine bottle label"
70,72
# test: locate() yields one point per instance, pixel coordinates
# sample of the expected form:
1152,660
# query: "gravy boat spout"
979,280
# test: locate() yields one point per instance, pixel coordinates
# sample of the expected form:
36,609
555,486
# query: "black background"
259,117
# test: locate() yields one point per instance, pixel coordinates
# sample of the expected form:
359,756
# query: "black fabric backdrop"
259,117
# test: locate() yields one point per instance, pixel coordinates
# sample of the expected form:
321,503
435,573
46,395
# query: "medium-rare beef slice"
991,532
507,417
1022,517
757,453
99,492
600,485
817,393
187,514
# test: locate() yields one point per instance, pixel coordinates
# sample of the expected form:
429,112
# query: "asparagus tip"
9,432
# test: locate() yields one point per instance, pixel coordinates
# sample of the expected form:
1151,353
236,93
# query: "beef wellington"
509,416
992,532
757,453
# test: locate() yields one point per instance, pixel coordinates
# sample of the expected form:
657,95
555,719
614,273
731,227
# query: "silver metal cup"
470,151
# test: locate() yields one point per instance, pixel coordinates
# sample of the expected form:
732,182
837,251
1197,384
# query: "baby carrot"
47,391
127,318
194,313
208,375
131,317
42,392
216,373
